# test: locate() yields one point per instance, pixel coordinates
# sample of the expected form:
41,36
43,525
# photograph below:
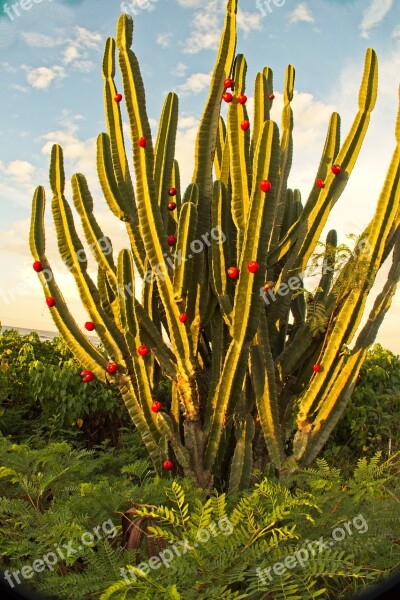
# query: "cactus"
237,364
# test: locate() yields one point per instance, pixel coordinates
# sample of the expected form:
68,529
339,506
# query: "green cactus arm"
350,314
347,157
80,346
115,130
286,155
240,148
262,373
330,151
130,325
108,297
334,403
226,395
183,265
176,183
74,256
83,203
166,427
164,152
247,305
219,342
208,128
245,314
262,88
138,418
153,338
118,165
225,167
151,225
204,158
334,186
242,461
116,201
328,267
221,139
218,255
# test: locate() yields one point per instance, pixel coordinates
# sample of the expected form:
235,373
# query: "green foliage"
53,496
268,524
372,418
40,382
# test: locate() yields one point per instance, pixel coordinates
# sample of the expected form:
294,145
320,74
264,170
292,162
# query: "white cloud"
41,77
70,54
39,40
18,88
396,32
190,3
179,70
76,52
301,14
20,170
195,84
164,40
247,21
373,15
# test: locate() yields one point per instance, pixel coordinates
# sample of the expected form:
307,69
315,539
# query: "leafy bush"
41,393
53,496
371,421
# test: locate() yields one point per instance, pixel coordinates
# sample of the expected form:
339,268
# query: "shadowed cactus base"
241,369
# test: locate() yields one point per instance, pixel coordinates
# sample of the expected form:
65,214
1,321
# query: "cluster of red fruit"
242,99
172,205
252,267
336,170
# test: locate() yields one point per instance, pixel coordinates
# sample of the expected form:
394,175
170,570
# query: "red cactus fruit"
90,326
168,465
50,302
320,183
336,169
87,376
242,99
253,266
37,266
112,367
227,97
143,350
317,368
118,98
271,97
245,125
265,185
228,83
171,206
172,191
171,240
142,142
183,317
233,272
156,406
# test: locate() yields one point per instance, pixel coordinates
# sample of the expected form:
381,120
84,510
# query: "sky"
51,92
